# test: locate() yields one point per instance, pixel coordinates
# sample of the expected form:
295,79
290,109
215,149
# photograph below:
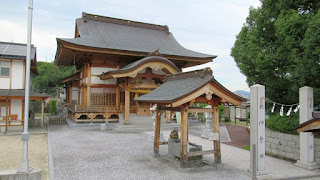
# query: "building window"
4,68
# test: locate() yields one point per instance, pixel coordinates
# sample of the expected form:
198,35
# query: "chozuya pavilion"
116,60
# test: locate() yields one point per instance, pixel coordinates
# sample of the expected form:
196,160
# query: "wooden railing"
82,108
57,121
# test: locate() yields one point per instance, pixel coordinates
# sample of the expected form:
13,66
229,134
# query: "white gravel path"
92,154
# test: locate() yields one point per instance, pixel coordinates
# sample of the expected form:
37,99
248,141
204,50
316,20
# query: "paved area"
239,135
94,154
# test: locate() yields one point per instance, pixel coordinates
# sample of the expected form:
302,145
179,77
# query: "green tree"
279,47
49,76
53,106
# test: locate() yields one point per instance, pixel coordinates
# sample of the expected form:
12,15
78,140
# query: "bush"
53,106
227,119
284,124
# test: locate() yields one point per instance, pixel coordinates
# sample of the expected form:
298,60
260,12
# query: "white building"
12,83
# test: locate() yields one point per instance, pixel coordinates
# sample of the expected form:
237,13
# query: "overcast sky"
207,26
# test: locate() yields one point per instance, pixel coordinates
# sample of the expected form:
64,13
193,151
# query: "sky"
207,26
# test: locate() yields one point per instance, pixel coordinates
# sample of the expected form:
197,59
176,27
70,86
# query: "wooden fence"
57,121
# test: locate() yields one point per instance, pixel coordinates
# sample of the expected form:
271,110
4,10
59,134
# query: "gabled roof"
130,36
178,86
135,67
18,51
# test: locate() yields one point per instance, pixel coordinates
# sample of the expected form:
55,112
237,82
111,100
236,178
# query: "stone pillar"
306,138
257,130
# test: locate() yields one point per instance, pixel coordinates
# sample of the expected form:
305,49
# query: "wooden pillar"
216,130
84,95
118,97
88,85
184,138
157,133
42,113
126,106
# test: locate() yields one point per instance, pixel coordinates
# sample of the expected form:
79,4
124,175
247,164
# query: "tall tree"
279,47
49,76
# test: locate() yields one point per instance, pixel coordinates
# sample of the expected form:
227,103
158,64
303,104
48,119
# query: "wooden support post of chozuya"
184,137
157,132
126,104
216,130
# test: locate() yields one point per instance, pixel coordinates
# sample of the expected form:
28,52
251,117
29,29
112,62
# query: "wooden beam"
164,108
309,127
199,153
157,133
200,110
184,138
216,129
127,106
163,143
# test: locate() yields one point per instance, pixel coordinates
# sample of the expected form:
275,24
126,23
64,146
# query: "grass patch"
239,123
246,148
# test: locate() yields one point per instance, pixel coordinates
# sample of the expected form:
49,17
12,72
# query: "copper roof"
126,35
136,64
177,86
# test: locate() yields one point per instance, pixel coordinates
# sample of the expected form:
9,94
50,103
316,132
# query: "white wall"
16,107
4,83
17,75
96,80
100,70
75,93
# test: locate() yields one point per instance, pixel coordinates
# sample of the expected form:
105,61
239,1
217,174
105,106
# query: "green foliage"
246,148
221,109
49,76
53,106
227,119
279,47
285,124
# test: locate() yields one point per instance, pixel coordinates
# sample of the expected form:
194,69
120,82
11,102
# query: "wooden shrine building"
116,60
181,90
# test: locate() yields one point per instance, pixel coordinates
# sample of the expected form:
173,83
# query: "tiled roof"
177,86
20,93
15,50
117,34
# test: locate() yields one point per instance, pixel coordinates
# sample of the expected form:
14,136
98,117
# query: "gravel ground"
93,154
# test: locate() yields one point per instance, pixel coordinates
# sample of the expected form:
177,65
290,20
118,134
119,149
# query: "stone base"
260,174
310,166
12,174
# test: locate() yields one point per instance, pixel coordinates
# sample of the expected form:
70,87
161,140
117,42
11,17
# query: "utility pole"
25,135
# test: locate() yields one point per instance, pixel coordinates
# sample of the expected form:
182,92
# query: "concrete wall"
287,145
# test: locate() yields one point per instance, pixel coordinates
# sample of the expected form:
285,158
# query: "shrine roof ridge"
94,17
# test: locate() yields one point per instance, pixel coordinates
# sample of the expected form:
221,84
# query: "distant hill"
242,93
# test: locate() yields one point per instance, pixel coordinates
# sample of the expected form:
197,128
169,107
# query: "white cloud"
208,26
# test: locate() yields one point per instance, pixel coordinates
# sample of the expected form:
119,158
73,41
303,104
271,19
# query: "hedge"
284,124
